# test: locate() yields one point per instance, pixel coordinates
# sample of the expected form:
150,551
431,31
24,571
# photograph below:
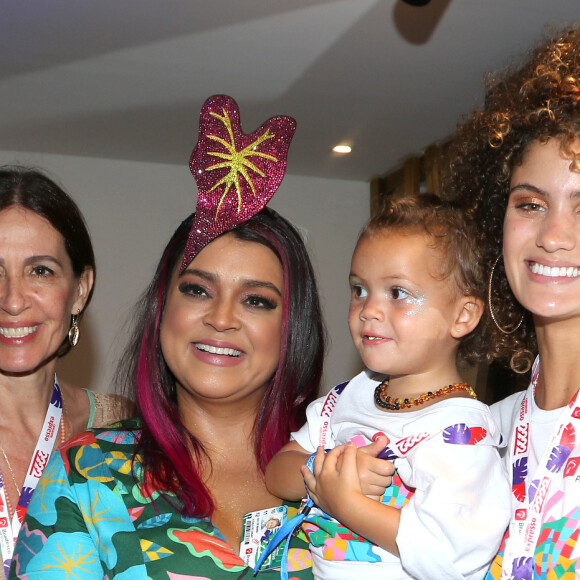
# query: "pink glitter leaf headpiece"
236,174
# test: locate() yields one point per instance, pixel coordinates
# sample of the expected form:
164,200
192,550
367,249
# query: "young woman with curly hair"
516,167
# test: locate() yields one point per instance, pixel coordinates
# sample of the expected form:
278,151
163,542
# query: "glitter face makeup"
398,309
418,303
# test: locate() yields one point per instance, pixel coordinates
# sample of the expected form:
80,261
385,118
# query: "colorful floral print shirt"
91,517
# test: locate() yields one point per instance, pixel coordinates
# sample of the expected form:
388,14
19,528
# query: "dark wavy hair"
33,190
535,101
452,236
165,444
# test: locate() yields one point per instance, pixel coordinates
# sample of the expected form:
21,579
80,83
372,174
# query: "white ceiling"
125,79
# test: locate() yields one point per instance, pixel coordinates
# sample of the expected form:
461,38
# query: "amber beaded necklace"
385,401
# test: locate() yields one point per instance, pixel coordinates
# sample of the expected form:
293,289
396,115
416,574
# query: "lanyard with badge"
530,498
44,446
272,555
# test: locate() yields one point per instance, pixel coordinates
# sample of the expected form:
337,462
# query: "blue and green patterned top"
92,517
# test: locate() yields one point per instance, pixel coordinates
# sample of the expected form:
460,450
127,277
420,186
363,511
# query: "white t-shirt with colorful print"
556,553
450,483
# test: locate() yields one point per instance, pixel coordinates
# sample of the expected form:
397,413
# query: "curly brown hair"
538,100
445,225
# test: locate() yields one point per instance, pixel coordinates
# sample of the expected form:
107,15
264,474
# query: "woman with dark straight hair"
47,272
226,354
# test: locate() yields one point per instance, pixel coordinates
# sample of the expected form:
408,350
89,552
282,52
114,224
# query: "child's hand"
335,487
334,484
374,474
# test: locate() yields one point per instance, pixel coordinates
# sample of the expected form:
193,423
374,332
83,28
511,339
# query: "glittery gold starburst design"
236,173
238,162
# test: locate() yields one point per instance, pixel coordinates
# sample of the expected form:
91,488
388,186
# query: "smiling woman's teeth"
216,350
569,272
19,332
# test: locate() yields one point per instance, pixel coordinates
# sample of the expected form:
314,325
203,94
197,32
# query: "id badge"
259,528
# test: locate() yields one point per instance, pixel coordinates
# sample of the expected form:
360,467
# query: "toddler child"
416,307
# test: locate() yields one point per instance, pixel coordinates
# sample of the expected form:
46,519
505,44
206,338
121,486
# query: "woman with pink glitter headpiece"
226,355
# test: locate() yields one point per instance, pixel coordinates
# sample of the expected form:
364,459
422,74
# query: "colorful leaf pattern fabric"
450,483
338,542
556,551
92,517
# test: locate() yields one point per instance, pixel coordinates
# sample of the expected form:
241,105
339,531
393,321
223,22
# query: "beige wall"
132,209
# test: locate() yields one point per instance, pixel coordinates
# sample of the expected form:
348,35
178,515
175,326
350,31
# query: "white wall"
133,208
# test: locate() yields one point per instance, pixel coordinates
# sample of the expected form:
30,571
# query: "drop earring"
74,331
503,329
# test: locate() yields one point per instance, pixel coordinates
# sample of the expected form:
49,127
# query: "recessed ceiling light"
342,149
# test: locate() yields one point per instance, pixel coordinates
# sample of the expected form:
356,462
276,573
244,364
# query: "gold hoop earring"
508,330
74,332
